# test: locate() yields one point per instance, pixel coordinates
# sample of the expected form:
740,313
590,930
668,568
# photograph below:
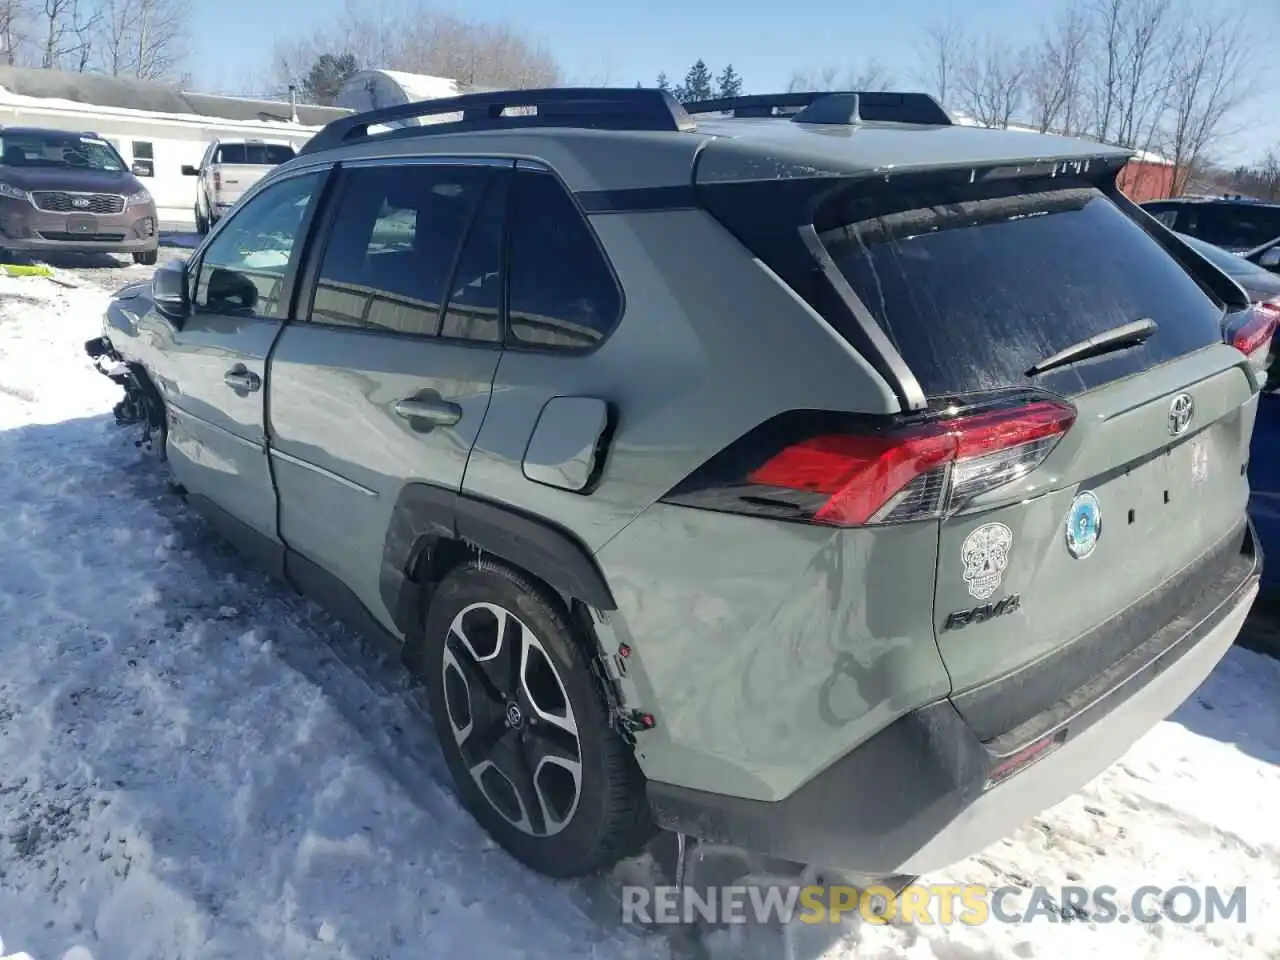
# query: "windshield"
58,150
1228,263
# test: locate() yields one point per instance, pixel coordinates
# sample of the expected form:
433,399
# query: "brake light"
851,478
1254,335
1256,331
217,180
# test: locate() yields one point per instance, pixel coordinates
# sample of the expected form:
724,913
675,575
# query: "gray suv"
801,474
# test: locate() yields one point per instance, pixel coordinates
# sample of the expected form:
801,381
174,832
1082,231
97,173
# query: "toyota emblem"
80,202
1181,410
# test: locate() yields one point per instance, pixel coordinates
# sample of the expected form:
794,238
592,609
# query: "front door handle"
238,378
434,410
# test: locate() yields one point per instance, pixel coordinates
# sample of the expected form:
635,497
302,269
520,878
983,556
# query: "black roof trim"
608,108
832,107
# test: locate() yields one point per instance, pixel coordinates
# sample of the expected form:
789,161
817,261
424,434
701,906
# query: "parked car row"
845,498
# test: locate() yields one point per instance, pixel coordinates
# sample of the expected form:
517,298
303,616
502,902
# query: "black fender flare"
425,516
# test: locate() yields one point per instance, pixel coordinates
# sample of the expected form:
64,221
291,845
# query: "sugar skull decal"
986,554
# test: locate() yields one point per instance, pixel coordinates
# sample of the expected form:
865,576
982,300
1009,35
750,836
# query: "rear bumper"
919,796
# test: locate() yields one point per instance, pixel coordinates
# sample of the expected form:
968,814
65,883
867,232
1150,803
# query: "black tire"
147,257
609,819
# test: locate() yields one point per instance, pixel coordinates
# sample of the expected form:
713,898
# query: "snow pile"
195,763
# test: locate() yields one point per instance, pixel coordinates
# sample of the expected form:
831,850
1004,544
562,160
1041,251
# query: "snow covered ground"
194,762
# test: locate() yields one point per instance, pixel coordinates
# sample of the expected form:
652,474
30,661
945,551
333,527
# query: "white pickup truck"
228,169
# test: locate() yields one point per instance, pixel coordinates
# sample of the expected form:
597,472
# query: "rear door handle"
238,378
434,410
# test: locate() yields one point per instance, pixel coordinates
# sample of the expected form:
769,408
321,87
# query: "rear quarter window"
974,293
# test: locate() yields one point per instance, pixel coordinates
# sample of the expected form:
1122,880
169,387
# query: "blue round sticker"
1084,525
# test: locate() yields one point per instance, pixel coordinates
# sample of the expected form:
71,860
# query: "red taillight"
919,472
1256,332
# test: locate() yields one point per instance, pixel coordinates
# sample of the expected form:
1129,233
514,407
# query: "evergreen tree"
663,82
729,83
324,80
697,84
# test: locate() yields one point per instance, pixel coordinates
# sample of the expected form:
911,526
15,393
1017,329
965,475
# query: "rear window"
269,154
974,293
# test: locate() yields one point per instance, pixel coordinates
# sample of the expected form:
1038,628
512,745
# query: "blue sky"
622,43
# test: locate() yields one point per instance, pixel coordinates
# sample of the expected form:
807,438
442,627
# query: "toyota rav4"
804,474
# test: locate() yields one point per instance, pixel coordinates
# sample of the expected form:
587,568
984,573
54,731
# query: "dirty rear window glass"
974,293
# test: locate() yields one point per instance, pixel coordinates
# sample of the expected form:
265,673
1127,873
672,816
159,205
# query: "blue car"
1263,287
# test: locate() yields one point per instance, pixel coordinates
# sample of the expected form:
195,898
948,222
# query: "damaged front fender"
141,403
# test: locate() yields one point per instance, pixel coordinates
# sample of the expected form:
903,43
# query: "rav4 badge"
985,552
1084,525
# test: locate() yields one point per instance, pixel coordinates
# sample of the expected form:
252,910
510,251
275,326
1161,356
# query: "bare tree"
1055,72
410,35
1208,80
1129,68
872,76
67,29
1144,79
991,84
84,24
1269,172
159,38
56,17
941,52
16,22
805,81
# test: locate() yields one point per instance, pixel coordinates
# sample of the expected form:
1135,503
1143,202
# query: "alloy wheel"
512,720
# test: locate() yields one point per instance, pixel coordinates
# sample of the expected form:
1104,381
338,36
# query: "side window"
144,159
1168,217
243,267
388,266
562,295
475,290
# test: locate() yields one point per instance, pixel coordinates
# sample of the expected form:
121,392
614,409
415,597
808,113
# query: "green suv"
803,474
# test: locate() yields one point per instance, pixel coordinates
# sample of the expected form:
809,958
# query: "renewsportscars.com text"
946,904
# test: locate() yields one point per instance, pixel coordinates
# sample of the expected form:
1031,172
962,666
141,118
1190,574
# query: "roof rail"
831,106
608,108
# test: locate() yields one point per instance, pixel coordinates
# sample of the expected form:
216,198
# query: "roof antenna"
293,103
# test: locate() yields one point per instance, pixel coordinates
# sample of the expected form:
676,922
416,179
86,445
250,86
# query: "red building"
1147,178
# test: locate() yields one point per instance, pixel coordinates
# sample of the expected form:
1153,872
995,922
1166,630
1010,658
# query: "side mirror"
1270,258
189,171
231,290
169,291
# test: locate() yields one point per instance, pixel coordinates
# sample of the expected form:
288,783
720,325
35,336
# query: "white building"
151,122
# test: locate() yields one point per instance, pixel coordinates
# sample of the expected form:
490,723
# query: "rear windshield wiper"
1117,338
